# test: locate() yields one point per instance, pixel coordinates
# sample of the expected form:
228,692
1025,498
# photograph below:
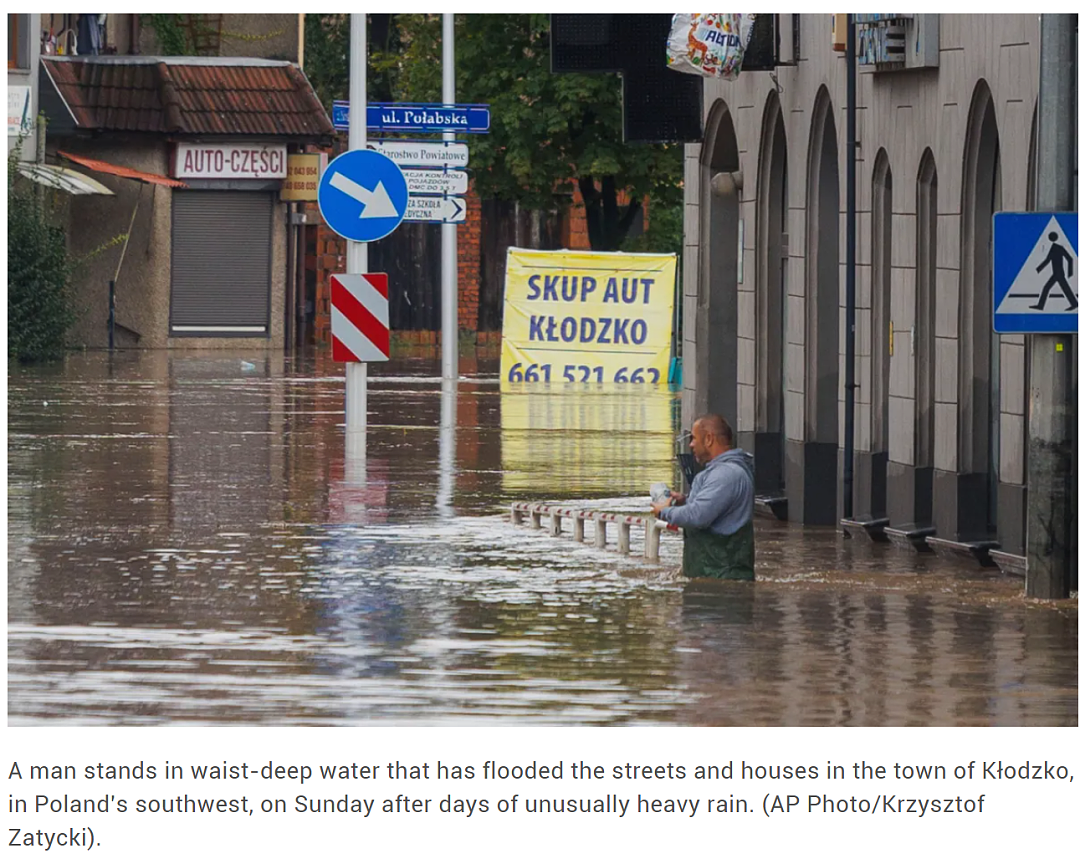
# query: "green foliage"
172,37
404,60
547,130
40,311
665,231
326,56
419,57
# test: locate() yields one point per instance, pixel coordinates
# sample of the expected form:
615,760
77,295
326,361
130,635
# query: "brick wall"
468,239
575,228
329,258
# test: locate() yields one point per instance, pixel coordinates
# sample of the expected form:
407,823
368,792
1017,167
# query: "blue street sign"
1035,273
363,195
339,114
417,117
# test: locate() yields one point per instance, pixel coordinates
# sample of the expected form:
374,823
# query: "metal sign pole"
449,230
356,254
849,328
1051,516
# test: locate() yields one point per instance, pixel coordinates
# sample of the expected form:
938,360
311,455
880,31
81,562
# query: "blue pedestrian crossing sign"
1035,273
363,195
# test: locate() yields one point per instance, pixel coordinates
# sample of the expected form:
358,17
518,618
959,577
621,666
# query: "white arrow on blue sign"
1035,273
449,209
363,195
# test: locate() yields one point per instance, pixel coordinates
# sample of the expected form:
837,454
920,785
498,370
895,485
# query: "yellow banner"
587,317
302,176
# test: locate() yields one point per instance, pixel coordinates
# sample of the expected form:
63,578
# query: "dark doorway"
771,305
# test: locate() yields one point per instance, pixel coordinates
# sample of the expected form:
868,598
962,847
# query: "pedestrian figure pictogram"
1035,273
1056,258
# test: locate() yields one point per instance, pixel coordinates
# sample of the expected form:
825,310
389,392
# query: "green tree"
548,130
326,56
40,310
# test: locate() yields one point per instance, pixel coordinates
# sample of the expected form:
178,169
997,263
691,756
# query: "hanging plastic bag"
710,44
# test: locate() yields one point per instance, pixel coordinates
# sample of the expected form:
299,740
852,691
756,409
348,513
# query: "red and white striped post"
359,333
359,317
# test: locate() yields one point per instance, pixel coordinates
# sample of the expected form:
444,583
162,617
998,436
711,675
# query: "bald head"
717,425
709,437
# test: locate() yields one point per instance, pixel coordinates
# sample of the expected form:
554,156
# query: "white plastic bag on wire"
710,44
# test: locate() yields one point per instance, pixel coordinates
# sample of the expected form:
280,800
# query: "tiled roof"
170,95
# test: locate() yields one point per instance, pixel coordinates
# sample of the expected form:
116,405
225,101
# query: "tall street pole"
1051,506
849,357
356,253
449,230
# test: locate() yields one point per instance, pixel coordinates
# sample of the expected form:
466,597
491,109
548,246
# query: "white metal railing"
653,527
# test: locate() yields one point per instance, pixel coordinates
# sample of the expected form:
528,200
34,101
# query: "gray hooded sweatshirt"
721,499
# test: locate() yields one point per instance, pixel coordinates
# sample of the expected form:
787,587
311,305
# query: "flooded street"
187,545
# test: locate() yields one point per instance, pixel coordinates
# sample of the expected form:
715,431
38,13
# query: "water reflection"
584,439
192,540
447,448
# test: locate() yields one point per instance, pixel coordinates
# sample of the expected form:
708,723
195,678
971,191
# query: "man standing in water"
718,516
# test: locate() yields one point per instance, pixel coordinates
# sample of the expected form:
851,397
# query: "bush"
665,231
664,234
40,311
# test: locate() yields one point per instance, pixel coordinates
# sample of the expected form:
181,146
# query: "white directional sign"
435,209
422,153
432,182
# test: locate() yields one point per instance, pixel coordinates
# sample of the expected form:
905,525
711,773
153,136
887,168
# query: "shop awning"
121,171
65,179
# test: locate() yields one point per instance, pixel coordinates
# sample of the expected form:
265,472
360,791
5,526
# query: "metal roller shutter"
221,245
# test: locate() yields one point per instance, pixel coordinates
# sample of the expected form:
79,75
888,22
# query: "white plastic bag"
710,44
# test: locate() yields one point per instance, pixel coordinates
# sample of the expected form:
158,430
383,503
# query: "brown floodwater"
188,544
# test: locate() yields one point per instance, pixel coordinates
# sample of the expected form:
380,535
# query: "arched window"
823,277
771,298
716,329
926,209
979,347
880,301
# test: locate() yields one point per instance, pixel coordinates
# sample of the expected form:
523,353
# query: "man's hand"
676,498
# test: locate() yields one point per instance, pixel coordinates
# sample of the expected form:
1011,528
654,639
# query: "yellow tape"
587,317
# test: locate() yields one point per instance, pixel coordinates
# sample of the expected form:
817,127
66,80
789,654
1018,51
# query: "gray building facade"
945,124
24,50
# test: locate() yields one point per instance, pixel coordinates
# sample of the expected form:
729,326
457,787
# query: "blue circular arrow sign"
363,195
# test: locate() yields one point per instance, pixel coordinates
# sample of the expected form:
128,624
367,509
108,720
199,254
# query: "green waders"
719,556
